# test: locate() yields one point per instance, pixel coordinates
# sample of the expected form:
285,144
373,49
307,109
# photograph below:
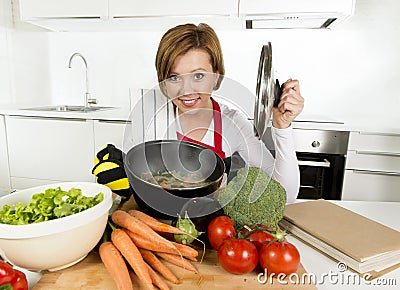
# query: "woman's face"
191,81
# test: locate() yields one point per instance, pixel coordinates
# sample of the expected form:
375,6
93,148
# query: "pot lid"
268,91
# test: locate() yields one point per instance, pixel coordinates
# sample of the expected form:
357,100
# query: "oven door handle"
324,163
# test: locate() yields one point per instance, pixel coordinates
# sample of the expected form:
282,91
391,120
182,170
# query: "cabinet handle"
387,154
49,118
115,121
376,172
379,134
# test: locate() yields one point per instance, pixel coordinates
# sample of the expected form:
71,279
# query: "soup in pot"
173,179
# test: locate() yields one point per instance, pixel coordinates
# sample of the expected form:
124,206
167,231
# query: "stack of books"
364,245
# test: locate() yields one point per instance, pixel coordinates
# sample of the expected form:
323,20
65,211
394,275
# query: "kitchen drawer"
50,148
19,183
108,132
4,168
31,9
366,185
374,161
374,142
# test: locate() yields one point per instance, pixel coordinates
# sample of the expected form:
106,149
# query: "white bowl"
58,243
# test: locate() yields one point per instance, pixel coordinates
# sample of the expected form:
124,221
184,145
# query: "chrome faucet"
88,100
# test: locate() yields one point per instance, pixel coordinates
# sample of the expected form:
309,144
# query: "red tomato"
259,237
14,278
220,229
258,234
238,256
20,281
255,227
279,258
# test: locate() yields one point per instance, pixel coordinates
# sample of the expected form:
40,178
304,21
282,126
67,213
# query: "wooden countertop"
90,273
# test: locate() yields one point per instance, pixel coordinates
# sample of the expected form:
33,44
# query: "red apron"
217,148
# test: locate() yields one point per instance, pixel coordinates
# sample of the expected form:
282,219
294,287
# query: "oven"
321,175
322,156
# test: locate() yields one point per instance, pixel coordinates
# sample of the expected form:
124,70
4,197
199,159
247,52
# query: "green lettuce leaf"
51,204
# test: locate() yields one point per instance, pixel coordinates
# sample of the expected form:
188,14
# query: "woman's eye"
198,76
174,78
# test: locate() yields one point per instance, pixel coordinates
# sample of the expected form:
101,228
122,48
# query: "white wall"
352,69
117,62
5,64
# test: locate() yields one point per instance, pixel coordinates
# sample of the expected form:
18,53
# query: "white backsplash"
5,58
348,70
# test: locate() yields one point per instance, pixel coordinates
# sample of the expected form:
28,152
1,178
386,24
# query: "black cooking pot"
172,156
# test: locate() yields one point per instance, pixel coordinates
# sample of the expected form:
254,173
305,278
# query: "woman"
190,66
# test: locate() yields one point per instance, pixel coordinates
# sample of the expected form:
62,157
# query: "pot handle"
227,162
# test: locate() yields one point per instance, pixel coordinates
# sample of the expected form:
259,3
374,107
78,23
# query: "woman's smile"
189,102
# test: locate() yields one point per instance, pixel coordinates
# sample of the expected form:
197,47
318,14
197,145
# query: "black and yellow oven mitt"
109,170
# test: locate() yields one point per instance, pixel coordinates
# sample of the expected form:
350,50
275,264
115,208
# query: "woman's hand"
290,105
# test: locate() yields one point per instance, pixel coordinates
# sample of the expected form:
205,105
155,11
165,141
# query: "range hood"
288,14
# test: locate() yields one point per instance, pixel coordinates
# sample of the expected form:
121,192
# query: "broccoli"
252,197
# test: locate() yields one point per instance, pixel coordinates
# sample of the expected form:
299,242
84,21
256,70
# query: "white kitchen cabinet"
372,167
369,185
18,183
60,15
117,15
33,9
374,142
3,30
373,161
46,150
156,8
108,132
5,186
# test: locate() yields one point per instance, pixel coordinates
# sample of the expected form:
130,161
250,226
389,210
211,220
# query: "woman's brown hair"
182,38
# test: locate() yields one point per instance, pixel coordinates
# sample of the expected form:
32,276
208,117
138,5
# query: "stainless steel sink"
66,108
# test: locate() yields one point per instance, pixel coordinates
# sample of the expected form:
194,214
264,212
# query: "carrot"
115,265
147,244
186,250
157,280
131,223
168,236
191,258
155,224
154,262
177,260
131,253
